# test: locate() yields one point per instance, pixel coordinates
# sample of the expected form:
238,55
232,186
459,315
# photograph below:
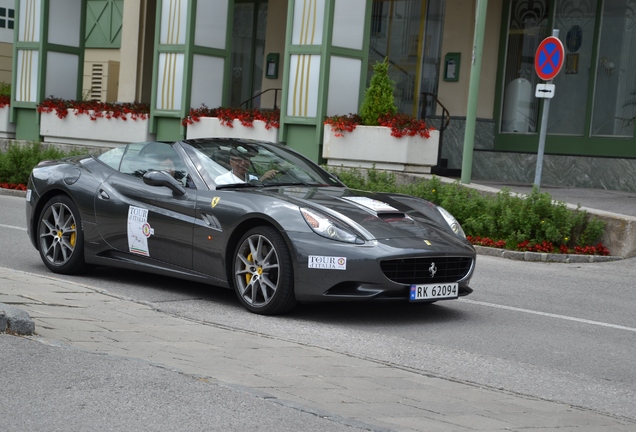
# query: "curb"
12,192
15,320
544,257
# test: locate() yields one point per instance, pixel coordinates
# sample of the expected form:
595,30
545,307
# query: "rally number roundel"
548,60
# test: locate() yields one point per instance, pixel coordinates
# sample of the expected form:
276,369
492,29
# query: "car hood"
381,215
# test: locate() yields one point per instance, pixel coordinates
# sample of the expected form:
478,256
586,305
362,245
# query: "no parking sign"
548,59
548,62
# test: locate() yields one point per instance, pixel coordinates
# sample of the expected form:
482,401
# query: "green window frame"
104,23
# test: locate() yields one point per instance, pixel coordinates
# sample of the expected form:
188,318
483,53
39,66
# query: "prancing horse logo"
432,270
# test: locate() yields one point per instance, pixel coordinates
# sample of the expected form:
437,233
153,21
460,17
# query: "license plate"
434,291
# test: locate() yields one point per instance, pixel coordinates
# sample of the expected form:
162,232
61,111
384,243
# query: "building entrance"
409,34
248,46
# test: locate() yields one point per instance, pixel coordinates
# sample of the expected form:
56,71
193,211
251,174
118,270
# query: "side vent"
101,81
97,81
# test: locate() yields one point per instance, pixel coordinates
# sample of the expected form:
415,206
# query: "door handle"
103,194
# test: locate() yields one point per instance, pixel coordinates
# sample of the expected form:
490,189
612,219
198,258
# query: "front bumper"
346,272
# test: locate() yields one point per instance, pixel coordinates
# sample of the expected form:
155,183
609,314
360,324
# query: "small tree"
378,98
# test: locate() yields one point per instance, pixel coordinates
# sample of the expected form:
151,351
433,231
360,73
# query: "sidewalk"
347,390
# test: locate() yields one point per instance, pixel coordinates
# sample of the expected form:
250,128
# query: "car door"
143,220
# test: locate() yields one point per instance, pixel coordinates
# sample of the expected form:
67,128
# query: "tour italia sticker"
327,262
138,230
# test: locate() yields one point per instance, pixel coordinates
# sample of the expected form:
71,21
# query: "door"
147,221
248,47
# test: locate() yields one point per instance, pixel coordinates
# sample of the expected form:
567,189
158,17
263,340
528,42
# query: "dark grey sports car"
252,216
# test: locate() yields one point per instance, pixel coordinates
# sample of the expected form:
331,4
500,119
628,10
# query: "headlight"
452,222
327,227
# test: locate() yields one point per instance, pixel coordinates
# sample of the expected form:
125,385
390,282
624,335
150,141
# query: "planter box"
102,132
211,127
7,129
367,146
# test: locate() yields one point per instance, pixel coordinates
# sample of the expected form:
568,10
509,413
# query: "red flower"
20,187
400,124
95,109
403,124
5,101
343,123
485,241
226,116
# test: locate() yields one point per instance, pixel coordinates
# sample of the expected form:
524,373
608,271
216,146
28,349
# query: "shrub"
18,161
378,98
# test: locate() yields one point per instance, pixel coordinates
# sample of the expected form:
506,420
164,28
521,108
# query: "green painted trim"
152,120
105,32
593,70
227,55
168,129
501,64
27,124
569,145
302,139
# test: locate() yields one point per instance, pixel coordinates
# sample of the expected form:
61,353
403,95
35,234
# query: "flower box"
7,129
369,146
85,129
211,127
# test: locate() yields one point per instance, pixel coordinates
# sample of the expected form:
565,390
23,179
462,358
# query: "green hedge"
18,161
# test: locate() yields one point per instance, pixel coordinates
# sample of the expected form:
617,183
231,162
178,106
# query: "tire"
60,236
263,272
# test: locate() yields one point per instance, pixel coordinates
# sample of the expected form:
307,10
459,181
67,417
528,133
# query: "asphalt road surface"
561,332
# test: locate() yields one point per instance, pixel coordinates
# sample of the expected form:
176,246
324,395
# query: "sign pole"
544,118
542,132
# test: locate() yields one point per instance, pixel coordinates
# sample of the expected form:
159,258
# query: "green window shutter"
103,23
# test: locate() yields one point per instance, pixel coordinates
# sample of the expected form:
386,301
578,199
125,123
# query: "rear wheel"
263,272
60,236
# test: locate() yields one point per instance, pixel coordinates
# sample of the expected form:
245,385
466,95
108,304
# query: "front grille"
418,270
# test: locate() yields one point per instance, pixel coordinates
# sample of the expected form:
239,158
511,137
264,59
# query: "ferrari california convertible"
250,216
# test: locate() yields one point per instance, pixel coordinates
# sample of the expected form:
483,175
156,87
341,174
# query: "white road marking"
551,315
12,227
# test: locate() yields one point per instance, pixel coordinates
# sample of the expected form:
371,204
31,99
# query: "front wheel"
60,236
263,272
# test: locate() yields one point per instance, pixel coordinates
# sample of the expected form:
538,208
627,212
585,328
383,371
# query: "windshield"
243,163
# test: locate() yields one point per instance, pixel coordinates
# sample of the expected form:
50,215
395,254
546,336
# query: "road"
561,332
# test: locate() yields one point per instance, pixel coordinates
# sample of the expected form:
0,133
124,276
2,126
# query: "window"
615,87
528,26
7,18
143,157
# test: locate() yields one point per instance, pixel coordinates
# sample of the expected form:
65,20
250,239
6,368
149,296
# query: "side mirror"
161,178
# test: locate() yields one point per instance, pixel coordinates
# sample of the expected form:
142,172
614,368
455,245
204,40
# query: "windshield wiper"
298,183
250,184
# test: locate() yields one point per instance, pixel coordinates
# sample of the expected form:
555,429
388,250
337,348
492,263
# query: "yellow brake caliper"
248,275
73,236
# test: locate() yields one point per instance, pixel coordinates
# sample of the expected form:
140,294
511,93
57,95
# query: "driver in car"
240,163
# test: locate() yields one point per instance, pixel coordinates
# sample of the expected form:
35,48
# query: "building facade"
312,58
